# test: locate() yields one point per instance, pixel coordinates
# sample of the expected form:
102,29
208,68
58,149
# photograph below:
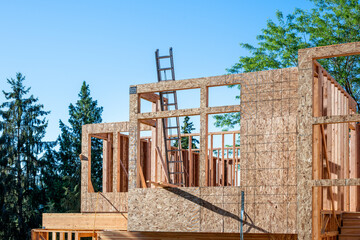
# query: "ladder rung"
174,138
164,69
172,127
176,172
168,92
161,57
174,150
169,104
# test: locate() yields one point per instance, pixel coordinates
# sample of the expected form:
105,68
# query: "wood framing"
306,120
267,159
296,156
85,221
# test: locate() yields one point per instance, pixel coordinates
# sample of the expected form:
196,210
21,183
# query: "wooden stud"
341,151
164,167
328,168
233,159
191,164
317,156
357,163
223,158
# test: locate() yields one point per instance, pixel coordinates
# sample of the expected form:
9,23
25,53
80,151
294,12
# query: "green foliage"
22,128
187,127
329,22
85,111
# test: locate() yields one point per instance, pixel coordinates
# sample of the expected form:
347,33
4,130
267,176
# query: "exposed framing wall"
269,103
306,120
111,199
203,111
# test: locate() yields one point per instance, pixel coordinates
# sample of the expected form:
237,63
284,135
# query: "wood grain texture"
84,221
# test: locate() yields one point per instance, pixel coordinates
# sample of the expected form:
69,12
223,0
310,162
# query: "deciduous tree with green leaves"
329,22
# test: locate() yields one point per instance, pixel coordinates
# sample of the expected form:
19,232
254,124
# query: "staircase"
350,229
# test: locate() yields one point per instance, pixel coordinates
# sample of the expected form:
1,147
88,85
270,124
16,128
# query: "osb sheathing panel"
268,169
107,201
208,209
268,149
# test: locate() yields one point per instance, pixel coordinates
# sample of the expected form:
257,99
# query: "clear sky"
111,44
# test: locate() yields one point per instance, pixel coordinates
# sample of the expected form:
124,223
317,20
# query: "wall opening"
224,95
100,162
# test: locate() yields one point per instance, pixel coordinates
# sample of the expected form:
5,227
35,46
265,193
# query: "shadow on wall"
247,221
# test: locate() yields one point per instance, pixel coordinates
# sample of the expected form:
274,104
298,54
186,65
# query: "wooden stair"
350,228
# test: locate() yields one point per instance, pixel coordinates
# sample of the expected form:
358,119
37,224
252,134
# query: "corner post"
134,138
204,103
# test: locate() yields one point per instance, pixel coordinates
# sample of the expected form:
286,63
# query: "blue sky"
111,44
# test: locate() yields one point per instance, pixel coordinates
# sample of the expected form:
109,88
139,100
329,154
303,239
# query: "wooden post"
346,154
233,159
329,96
317,156
357,162
213,162
218,167
191,164
341,151
77,237
204,166
153,175
223,158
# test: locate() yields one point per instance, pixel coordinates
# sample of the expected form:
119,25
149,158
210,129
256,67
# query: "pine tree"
22,128
187,127
85,111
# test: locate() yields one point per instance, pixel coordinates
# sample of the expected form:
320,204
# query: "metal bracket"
133,90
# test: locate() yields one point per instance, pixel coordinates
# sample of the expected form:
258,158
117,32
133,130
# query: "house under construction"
292,170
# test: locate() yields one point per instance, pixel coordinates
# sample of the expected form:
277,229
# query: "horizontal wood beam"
85,221
194,83
152,97
336,119
111,127
331,51
102,136
162,184
149,122
223,109
189,112
170,113
335,182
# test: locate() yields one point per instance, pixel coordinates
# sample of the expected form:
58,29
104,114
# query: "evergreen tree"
187,127
329,22
85,111
22,128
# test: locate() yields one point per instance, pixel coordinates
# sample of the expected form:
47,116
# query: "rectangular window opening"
224,95
185,99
